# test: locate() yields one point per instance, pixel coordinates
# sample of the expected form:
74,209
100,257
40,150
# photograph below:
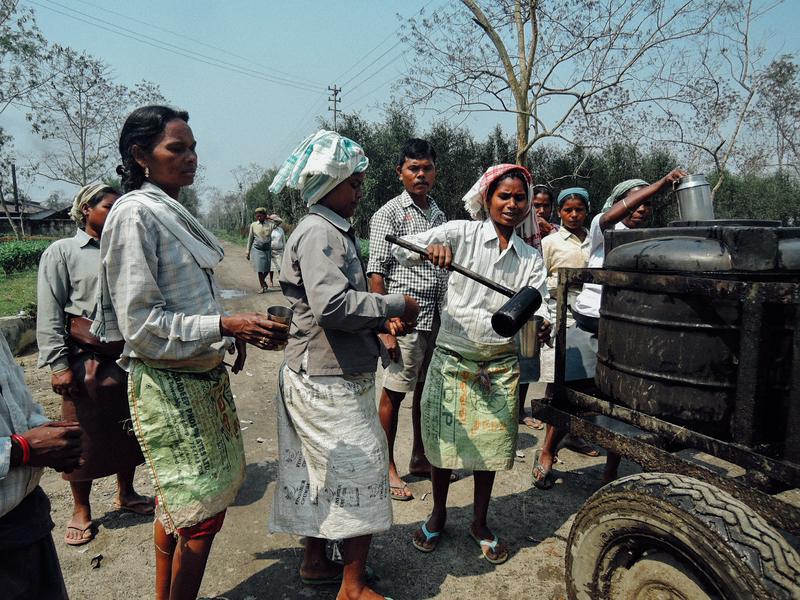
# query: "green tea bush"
21,255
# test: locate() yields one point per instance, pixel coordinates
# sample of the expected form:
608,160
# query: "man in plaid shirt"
413,211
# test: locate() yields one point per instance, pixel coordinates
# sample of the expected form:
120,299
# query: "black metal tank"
676,355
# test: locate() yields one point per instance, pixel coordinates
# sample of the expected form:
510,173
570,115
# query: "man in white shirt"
28,442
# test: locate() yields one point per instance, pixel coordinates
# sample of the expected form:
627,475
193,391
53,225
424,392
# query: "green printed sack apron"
187,427
469,412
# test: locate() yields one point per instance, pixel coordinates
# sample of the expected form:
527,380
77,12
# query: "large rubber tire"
657,535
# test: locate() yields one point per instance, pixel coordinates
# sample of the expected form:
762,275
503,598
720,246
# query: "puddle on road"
231,294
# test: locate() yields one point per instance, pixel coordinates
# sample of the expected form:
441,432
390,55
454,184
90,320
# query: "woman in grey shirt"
335,485
84,371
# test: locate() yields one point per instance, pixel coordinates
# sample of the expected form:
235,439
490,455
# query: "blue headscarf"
573,191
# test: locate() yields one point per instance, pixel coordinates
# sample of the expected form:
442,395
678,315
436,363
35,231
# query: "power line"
172,48
355,103
366,55
373,62
152,25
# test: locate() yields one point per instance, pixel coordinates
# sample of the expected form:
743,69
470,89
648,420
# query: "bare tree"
22,51
80,110
720,96
568,69
246,177
777,115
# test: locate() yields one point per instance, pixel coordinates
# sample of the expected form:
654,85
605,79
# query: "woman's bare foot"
320,570
80,529
398,488
135,503
419,466
434,524
494,550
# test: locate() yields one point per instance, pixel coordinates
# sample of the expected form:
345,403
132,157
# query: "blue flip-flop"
490,546
430,537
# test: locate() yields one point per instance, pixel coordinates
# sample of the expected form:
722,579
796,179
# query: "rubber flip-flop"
83,539
431,537
399,495
532,423
543,479
581,446
487,546
146,506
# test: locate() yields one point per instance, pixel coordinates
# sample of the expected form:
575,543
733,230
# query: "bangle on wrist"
625,204
24,445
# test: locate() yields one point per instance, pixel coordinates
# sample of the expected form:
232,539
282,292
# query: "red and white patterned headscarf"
475,201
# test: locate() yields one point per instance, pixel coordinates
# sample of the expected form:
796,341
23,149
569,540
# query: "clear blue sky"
256,116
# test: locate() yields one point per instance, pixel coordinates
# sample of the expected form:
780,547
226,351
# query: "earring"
147,172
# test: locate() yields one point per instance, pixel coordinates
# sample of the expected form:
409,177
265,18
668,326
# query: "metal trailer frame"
768,471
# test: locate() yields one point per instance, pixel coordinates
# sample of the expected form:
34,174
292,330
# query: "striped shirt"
18,414
469,306
425,283
67,285
167,307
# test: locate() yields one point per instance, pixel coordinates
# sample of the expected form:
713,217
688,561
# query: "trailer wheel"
668,537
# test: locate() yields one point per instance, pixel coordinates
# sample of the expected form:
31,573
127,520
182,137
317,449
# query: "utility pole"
335,99
20,208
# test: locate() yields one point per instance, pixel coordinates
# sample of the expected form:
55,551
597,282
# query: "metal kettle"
694,198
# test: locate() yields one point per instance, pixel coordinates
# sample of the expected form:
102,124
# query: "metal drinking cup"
528,337
280,314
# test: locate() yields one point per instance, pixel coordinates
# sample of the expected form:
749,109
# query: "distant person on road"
333,473
159,295
29,566
277,244
413,211
84,372
259,246
469,403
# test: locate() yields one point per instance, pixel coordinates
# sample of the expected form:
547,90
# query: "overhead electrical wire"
172,48
152,25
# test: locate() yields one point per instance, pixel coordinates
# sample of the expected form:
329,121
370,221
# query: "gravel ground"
248,563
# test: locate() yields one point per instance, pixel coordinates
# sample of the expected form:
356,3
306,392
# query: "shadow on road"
403,572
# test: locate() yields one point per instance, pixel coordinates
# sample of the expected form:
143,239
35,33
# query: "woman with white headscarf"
469,403
332,476
83,369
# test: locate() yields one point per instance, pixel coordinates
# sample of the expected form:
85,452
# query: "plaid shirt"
425,283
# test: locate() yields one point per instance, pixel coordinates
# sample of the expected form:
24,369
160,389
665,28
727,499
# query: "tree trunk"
8,216
523,127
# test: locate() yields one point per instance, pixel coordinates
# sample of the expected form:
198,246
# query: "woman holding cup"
158,294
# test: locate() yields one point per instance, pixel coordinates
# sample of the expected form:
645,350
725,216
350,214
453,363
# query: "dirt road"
247,563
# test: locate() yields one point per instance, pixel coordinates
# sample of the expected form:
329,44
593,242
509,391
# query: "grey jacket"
335,317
